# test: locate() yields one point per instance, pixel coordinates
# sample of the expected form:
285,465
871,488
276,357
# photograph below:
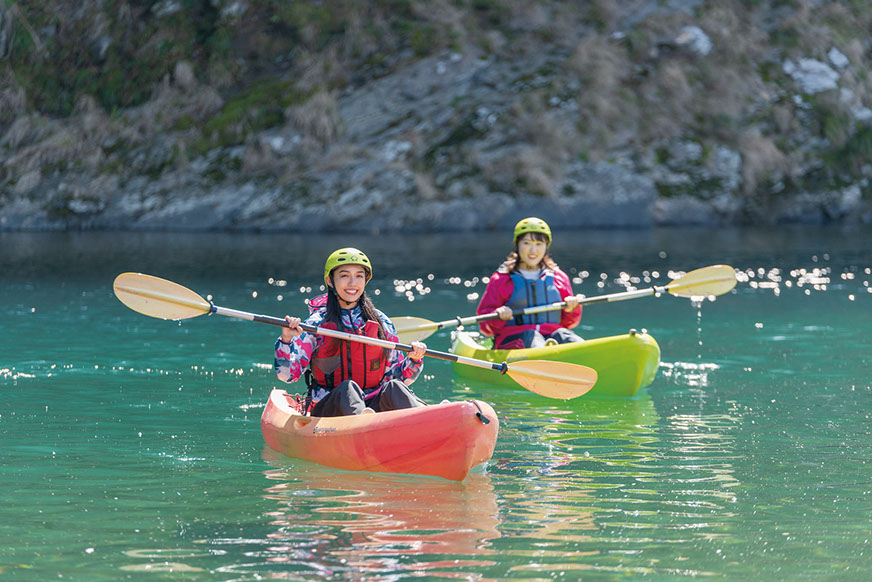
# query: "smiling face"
531,251
348,282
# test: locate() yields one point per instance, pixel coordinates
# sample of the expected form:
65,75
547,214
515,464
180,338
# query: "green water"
131,447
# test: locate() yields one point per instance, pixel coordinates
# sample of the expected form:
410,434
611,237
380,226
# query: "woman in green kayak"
529,277
348,377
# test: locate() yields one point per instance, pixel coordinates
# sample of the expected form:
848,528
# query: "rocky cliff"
433,115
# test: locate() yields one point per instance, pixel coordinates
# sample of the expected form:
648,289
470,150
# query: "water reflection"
564,458
332,522
596,481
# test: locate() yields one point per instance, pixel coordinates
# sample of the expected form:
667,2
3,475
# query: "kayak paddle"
164,299
703,282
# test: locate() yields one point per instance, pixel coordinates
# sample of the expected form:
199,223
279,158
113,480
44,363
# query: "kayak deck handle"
480,415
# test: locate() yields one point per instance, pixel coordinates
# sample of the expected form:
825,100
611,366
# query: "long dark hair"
513,264
333,312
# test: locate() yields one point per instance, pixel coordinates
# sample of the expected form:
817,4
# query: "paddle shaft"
501,367
164,299
549,307
706,281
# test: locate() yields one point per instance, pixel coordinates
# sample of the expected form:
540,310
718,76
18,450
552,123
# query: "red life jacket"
339,360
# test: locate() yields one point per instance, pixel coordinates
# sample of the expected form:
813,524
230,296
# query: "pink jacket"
499,291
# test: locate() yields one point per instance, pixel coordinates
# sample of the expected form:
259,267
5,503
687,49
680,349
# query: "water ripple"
371,524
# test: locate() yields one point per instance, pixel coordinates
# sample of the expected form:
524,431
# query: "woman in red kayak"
347,377
529,277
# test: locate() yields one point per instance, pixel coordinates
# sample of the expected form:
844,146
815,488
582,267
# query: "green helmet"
347,256
532,225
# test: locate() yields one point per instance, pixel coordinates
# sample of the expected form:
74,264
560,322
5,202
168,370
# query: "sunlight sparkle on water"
808,280
411,289
688,373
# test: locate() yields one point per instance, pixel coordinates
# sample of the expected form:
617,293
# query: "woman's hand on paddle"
505,312
418,349
293,330
571,302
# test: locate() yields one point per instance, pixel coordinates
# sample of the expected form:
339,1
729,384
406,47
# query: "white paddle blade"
413,329
704,282
158,297
553,379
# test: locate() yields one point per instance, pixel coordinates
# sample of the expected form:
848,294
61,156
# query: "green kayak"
624,363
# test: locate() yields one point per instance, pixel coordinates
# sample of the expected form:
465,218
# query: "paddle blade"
158,297
413,329
553,379
704,282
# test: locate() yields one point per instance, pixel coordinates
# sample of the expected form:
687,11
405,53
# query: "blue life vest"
532,293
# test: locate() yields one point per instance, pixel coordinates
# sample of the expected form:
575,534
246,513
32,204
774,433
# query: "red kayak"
442,440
